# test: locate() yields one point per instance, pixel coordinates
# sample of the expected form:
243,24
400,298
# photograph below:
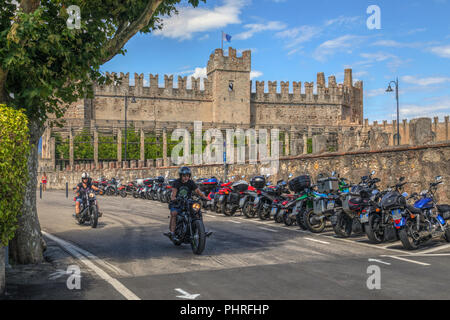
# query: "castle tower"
230,77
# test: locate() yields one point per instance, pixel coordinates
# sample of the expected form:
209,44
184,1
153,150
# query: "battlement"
217,61
343,93
154,90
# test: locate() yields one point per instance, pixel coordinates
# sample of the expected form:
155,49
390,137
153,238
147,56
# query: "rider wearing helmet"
183,187
82,187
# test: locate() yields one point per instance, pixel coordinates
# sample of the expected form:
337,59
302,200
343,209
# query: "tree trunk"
2,270
28,245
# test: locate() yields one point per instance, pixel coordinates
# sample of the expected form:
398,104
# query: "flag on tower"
226,37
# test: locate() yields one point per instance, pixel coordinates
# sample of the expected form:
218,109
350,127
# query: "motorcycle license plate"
396,214
364,218
221,198
241,202
330,205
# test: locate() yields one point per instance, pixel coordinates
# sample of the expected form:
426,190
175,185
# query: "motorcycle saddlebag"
240,186
444,211
300,183
258,182
320,206
328,185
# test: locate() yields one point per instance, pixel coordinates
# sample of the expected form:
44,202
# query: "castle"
332,117
226,99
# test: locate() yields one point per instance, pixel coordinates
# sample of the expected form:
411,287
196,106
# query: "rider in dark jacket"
82,187
182,187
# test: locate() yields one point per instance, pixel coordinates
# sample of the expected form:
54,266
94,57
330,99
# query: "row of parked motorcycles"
350,208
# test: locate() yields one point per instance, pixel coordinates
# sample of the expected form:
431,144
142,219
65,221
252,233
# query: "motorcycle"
377,218
246,203
112,187
347,219
269,199
189,225
233,192
292,212
88,209
325,200
422,223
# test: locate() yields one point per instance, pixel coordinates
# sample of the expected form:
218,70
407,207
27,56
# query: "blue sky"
292,40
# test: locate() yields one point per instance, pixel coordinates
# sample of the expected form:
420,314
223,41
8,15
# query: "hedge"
14,151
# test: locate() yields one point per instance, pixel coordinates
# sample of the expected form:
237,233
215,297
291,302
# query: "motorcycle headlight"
196,206
91,195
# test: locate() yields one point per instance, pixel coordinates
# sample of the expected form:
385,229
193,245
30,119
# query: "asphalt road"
130,258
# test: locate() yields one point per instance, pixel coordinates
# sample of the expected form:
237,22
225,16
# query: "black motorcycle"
88,209
189,226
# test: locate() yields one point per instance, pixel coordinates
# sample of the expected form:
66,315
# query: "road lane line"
73,250
436,249
408,260
267,229
323,242
379,261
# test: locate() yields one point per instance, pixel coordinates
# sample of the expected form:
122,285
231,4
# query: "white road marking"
323,242
436,249
267,229
408,260
235,222
186,295
74,251
379,261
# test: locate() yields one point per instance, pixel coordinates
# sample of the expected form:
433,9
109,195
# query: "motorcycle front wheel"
198,237
247,210
93,219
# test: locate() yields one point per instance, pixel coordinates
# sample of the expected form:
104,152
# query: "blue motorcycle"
425,220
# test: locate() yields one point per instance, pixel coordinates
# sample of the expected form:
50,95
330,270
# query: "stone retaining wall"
420,165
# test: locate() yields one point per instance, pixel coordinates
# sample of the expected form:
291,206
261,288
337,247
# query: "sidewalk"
48,280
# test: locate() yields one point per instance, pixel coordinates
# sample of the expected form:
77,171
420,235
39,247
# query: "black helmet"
184,170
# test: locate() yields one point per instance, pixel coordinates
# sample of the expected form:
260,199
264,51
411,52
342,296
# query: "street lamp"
389,89
133,100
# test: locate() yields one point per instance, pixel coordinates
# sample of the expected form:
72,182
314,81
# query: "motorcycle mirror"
405,194
373,172
333,173
290,175
402,179
438,179
243,176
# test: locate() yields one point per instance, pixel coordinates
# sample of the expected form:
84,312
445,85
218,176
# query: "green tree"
44,66
83,147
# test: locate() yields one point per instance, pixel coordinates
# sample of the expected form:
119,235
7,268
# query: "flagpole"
222,40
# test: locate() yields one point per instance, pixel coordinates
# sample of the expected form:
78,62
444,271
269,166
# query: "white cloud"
198,73
341,20
344,43
425,81
298,35
440,108
255,74
442,51
375,92
191,20
257,27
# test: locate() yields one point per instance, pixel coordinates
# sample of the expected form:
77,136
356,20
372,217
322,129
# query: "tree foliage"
14,149
46,65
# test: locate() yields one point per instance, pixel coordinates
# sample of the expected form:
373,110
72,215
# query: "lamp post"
133,100
389,89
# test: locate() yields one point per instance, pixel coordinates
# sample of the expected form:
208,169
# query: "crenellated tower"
230,79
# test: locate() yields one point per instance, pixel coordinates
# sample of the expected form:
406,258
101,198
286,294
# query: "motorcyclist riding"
182,187
82,187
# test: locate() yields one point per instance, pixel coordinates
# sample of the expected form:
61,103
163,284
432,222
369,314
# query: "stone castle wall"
214,102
